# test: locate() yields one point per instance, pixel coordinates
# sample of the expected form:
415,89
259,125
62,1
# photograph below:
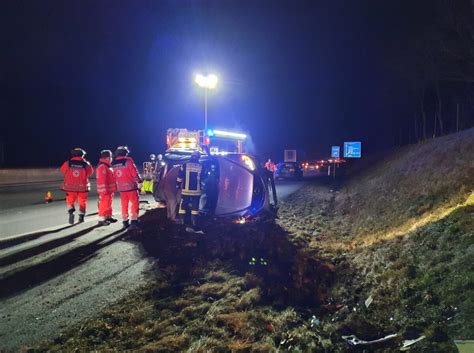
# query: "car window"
235,189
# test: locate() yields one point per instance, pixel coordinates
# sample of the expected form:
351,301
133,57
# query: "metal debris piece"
352,340
408,343
369,301
314,321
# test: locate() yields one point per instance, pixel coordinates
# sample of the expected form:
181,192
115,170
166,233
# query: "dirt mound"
286,274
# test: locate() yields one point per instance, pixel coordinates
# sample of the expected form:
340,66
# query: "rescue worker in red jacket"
76,183
105,187
270,166
127,179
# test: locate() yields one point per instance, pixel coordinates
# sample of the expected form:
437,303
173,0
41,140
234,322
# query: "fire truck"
243,185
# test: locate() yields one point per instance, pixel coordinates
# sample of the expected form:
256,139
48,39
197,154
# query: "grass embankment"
401,233
405,231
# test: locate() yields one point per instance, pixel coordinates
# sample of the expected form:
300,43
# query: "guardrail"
30,175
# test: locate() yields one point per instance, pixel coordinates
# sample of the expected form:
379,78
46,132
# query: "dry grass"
398,232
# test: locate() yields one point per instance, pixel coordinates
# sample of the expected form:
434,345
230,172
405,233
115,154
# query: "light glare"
209,81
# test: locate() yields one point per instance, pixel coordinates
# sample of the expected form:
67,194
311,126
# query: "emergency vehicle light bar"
220,133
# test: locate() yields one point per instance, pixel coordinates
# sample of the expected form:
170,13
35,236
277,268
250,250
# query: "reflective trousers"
105,206
80,197
129,197
189,203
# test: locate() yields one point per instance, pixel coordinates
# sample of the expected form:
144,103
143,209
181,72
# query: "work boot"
111,220
71,215
81,218
126,224
134,225
103,223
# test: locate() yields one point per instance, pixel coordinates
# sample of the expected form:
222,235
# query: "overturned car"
244,189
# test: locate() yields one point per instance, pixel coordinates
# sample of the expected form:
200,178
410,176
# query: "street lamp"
207,82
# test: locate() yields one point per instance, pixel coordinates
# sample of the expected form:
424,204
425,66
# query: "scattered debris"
352,340
408,343
269,327
288,341
314,321
253,261
369,301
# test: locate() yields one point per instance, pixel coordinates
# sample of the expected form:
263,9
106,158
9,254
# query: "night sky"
293,74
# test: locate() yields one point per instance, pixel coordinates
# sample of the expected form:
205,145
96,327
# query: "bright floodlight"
209,81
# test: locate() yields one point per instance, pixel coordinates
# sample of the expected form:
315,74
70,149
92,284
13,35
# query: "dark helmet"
78,152
122,151
106,154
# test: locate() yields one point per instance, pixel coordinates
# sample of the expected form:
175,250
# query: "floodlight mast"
207,82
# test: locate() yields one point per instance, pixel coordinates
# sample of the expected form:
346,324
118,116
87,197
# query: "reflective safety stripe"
78,187
181,209
105,187
127,186
193,212
191,192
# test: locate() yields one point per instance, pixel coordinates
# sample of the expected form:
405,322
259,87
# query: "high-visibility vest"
105,178
126,174
189,178
76,175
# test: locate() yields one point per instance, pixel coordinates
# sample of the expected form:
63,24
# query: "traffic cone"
48,197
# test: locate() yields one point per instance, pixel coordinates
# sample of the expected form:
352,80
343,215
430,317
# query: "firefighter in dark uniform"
189,181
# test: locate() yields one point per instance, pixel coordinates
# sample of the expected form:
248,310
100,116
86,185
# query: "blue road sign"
353,149
335,151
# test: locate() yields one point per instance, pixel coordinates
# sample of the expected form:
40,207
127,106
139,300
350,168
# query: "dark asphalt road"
58,277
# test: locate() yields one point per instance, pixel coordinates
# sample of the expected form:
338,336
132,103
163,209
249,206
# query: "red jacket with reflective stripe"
105,177
76,174
126,174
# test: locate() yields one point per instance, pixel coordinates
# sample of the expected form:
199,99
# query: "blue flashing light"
210,132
